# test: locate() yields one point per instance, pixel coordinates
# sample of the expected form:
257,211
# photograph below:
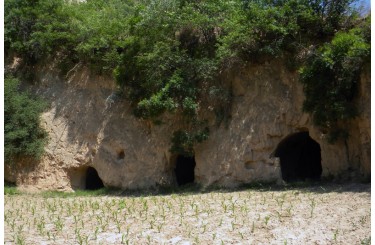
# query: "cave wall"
89,127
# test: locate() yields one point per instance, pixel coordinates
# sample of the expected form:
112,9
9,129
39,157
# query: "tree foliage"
36,28
330,78
22,132
166,55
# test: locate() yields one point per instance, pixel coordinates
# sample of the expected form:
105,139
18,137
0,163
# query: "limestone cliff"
88,125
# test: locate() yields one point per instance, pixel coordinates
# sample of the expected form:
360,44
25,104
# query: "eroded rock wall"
266,107
89,126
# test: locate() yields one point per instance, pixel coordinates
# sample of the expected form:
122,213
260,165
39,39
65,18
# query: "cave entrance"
93,181
300,158
184,170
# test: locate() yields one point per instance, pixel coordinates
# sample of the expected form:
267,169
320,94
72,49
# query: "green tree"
22,132
167,55
36,28
169,63
330,78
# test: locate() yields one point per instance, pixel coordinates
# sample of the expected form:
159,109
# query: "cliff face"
89,126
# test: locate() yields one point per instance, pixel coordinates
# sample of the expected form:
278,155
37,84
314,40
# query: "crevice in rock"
184,170
300,158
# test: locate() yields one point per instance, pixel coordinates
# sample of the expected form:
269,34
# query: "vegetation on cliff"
166,55
330,77
23,135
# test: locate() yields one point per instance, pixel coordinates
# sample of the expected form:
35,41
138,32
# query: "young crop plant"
312,206
249,221
20,239
253,227
335,233
266,219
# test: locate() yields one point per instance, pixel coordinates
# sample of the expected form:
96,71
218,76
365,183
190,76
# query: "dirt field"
327,214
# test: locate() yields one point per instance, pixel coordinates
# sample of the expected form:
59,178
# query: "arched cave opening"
93,181
184,170
121,154
300,158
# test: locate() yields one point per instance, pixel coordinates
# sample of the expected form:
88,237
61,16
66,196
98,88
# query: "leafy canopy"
330,79
167,55
22,132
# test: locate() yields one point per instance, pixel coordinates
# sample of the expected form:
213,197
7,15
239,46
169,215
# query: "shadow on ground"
195,189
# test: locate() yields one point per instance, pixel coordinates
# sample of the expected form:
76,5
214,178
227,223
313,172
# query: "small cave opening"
120,154
300,158
184,169
93,181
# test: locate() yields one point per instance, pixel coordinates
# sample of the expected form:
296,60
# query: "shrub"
330,78
166,55
23,135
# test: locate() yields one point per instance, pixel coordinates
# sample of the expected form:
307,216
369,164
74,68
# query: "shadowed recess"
93,181
184,170
300,158
121,154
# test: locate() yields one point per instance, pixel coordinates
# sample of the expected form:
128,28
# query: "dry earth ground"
327,214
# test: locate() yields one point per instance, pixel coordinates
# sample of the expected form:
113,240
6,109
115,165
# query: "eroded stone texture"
89,126
267,108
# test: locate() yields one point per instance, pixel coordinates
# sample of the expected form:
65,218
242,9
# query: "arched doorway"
184,170
300,157
93,181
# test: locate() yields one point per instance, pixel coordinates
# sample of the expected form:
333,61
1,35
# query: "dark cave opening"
300,158
121,154
93,181
184,170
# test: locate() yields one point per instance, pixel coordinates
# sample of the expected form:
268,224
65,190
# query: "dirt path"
329,214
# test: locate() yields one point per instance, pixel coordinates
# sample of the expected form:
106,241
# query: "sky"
364,6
